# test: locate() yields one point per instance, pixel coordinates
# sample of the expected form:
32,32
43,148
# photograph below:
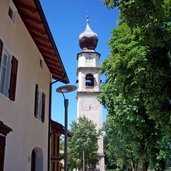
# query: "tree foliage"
152,16
138,83
84,139
110,156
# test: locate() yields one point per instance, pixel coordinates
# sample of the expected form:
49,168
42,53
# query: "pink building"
29,60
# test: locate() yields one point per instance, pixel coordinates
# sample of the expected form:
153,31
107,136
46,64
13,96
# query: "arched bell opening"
89,80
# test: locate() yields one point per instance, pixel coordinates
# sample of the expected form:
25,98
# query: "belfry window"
89,80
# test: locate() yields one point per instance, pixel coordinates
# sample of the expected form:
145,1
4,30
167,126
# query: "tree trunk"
145,166
133,165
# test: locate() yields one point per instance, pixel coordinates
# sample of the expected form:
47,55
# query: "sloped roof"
59,128
34,19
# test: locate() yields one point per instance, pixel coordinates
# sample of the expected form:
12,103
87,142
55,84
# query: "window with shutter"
2,150
36,101
5,72
8,72
12,88
39,110
43,107
1,48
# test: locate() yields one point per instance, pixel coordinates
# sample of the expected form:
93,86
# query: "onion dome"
88,39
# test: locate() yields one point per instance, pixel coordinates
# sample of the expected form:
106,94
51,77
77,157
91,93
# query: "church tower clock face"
89,58
89,84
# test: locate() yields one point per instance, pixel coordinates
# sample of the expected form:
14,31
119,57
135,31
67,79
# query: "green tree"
153,17
136,96
84,140
110,156
138,79
117,152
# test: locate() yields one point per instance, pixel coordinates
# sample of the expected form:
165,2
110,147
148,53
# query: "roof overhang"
34,19
59,128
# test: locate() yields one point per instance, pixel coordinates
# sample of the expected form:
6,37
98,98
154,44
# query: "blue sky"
67,19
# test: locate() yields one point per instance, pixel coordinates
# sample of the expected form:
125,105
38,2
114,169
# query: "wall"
90,107
28,132
87,102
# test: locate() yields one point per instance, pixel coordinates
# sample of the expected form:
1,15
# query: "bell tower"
89,84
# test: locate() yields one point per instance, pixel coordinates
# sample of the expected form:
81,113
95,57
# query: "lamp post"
62,90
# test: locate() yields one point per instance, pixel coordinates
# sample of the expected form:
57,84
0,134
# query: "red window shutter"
43,107
33,160
36,100
1,48
2,151
13,80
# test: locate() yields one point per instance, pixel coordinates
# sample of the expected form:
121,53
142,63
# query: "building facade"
57,163
89,85
29,60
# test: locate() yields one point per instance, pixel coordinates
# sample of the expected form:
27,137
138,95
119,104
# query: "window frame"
5,83
13,9
39,111
2,151
36,159
11,75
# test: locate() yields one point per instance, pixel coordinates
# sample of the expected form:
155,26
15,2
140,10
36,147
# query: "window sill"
89,87
5,97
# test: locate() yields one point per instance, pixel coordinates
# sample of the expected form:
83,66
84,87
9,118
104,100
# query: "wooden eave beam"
49,52
30,18
47,55
25,6
54,76
43,45
44,48
52,59
42,42
54,67
54,70
38,35
51,62
58,75
30,25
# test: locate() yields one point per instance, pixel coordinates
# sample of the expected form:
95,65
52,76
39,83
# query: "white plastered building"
29,60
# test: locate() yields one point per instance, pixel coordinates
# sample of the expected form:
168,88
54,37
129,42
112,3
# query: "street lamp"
62,90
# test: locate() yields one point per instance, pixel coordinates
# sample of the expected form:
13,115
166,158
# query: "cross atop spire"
87,19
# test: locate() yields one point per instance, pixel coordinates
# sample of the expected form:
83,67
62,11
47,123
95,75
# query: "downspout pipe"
49,119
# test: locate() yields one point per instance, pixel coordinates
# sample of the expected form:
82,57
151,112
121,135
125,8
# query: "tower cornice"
88,51
87,92
87,68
